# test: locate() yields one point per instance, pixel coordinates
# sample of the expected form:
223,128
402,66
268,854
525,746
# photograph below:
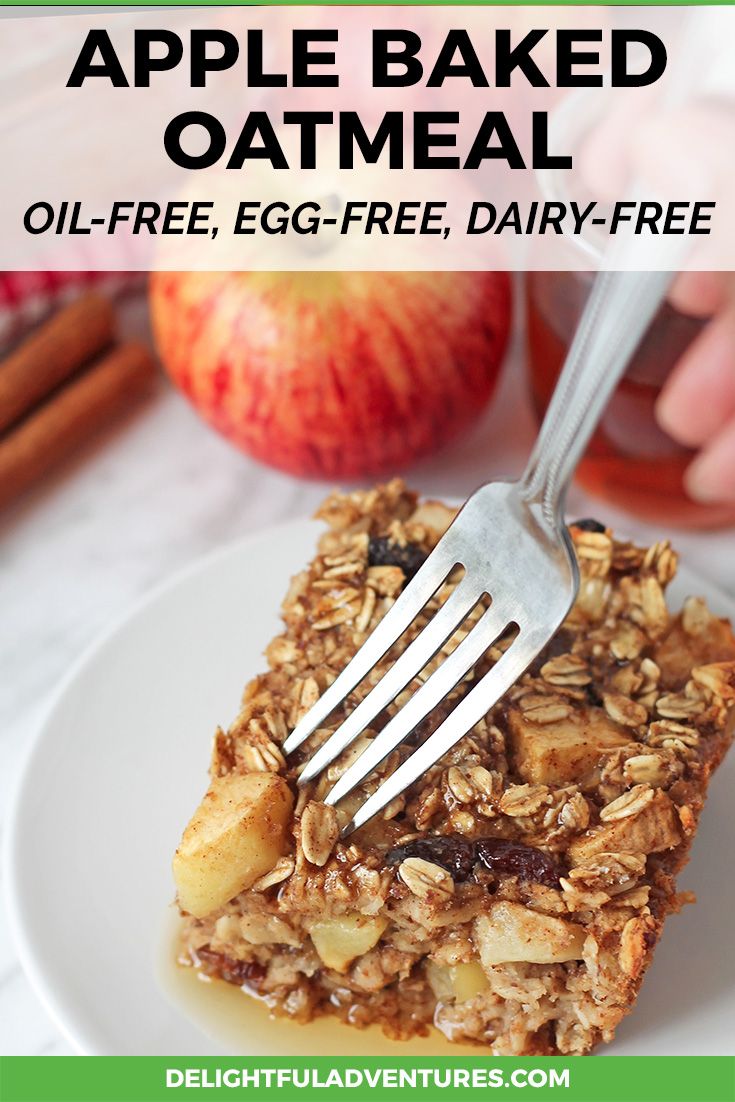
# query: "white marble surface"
143,501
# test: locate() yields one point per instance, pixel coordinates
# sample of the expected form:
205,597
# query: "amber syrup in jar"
630,461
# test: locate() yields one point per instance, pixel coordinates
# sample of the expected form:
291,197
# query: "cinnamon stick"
73,414
52,354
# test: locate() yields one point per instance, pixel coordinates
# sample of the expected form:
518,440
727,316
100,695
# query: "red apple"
334,374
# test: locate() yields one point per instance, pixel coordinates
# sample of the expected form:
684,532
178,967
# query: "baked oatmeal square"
515,895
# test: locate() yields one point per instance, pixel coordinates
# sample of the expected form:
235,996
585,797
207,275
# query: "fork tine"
407,607
431,693
420,651
462,719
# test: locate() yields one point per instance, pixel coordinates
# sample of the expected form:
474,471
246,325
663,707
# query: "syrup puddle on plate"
242,1026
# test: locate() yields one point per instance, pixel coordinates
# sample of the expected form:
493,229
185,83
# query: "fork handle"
618,311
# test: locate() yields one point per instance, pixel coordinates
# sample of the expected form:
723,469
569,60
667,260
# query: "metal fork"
511,539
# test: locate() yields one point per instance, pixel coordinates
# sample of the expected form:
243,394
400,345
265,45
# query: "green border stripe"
590,1079
152,4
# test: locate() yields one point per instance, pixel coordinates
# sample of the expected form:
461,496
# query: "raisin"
561,643
253,975
594,696
456,855
516,859
459,857
383,552
239,972
588,524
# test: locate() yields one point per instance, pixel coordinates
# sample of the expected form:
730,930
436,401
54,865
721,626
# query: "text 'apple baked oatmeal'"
515,895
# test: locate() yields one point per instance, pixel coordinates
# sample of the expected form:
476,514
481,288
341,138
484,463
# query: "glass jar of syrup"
630,461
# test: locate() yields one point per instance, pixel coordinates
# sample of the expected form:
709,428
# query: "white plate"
114,774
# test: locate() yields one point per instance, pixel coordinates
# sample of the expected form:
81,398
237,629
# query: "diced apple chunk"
459,982
707,640
652,830
434,514
339,941
511,932
563,752
237,834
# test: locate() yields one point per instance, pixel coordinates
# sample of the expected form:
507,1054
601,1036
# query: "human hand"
697,404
